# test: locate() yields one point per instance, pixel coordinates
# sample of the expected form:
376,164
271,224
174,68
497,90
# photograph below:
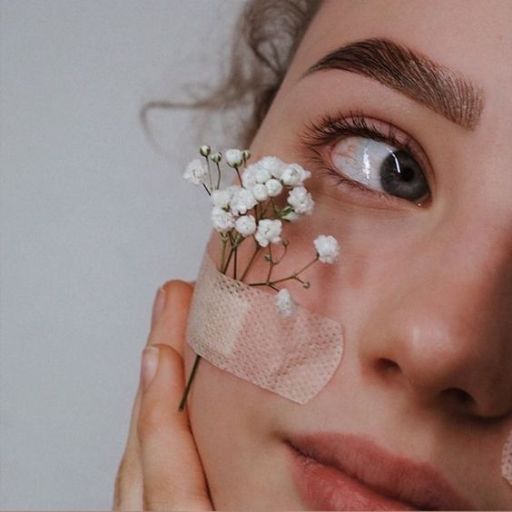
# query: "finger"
173,476
170,326
168,323
128,482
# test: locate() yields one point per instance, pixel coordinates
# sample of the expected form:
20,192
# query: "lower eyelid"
373,196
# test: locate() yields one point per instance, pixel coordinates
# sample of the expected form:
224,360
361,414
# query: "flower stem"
271,263
251,261
223,256
224,270
293,276
189,382
209,172
238,174
307,266
218,175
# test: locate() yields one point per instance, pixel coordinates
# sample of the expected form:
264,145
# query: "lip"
345,472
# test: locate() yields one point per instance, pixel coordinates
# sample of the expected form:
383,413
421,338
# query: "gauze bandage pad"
506,459
237,328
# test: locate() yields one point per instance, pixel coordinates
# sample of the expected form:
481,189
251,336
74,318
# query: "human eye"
370,157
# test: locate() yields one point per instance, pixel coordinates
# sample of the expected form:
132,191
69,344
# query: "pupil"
400,175
407,173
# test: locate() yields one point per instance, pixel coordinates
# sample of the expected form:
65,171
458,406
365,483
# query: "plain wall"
93,218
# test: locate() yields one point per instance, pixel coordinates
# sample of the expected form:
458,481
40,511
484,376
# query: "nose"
443,331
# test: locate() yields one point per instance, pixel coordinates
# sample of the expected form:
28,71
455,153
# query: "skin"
424,293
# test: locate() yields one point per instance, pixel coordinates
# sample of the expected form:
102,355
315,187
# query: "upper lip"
393,476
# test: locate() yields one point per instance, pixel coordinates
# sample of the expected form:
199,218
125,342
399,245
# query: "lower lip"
326,488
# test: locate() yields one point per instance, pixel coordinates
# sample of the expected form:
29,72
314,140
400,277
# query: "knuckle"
169,353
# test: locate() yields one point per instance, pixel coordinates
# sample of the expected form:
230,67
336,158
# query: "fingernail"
158,305
148,366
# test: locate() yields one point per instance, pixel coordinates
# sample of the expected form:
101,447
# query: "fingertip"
178,287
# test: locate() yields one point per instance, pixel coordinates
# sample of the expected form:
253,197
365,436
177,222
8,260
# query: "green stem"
271,263
224,270
251,261
224,242
187,388
218,175
293,276
238,174
234,262
209,172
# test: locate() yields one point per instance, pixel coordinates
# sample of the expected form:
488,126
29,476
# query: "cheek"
234,421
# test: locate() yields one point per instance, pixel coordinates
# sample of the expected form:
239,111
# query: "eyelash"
331,128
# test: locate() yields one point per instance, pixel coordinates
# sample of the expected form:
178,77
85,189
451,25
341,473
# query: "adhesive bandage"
506,459
237,328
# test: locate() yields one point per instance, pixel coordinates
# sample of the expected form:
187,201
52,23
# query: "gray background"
93,218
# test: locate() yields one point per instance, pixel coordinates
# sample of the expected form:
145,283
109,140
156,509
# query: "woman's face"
423,285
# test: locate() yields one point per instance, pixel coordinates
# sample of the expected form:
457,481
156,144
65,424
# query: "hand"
161,468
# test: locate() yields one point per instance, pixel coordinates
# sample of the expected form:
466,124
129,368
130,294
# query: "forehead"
473,37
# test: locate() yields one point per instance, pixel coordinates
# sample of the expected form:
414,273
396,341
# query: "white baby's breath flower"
196,172
222,220
234,157
269,231
327,248
285,303
301,200
260,192
249,176
262,174
242,201
273,164
221,197
294,174
245,225
274,187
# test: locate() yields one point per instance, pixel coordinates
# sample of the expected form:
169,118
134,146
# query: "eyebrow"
411,73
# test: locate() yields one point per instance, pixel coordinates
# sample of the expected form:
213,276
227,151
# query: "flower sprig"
250,210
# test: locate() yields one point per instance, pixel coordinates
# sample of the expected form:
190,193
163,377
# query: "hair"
265,39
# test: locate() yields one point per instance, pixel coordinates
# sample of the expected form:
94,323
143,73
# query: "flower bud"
216,157
205,150
234,157
246,154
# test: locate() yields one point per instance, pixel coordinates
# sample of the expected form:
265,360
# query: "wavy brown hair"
264,41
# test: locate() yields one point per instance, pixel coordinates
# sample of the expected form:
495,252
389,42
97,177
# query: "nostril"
386,366
458,396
